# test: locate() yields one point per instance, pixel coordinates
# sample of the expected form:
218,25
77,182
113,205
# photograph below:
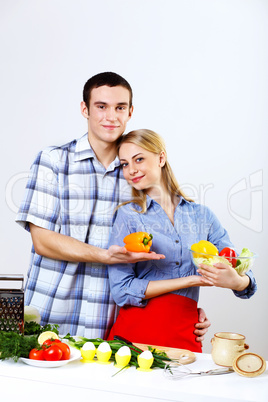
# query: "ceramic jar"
227,346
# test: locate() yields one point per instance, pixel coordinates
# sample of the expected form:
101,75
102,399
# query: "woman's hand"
224,276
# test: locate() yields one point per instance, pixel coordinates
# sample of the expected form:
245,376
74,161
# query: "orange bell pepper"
138,242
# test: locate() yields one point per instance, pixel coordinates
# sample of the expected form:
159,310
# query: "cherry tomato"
52,353
66,351
36,354
229,254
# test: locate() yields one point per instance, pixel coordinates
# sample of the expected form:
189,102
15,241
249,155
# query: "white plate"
75,355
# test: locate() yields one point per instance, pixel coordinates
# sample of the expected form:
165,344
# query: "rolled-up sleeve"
126,288
250,290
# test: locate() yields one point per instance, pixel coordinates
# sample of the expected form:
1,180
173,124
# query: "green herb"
14,345
70,339
32,328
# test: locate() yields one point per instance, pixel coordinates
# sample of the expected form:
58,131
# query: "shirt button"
176,241
177,263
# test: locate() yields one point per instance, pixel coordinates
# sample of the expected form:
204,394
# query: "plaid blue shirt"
70,192
192,223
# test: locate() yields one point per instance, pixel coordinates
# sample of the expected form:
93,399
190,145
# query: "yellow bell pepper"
204,246
138,242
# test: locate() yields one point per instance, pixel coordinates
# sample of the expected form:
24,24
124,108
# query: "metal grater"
12,305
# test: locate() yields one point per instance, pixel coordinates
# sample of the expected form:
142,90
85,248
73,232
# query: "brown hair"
108,78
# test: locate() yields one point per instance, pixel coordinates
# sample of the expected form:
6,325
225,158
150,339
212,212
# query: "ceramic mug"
227,346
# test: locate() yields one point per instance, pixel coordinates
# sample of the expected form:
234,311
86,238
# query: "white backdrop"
198,69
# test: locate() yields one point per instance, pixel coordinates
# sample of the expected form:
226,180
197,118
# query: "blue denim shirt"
192,222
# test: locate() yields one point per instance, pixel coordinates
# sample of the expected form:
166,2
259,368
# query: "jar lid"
249,365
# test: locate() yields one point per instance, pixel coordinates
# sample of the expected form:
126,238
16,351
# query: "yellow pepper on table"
138,242
205,247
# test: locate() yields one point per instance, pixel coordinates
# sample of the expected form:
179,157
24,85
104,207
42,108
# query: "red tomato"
51,341
229,254
52,353
36,354
66,351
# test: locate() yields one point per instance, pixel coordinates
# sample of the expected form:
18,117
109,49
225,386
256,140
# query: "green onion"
161,359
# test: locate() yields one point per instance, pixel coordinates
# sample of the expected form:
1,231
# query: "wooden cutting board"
182,355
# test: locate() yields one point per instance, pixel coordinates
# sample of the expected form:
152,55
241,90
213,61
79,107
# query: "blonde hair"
152,142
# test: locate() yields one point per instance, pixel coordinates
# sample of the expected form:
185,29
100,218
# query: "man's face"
108,113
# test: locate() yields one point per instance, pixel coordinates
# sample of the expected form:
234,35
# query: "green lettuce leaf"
244,261
211,261
31,314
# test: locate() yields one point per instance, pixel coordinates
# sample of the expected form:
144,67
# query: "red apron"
167,320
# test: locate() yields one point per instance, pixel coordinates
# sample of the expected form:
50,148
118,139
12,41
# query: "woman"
158,299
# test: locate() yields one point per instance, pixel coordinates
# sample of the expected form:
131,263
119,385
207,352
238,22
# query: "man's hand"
202,326
61,247
120,255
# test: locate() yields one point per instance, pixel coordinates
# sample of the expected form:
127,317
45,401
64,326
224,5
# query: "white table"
79,381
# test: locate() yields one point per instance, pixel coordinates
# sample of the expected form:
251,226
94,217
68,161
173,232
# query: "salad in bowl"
205,252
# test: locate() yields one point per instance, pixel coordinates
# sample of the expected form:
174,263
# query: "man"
69,204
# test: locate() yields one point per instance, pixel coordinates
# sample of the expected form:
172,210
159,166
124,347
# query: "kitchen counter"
94,381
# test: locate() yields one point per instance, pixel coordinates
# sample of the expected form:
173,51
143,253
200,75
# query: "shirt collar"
150,201
83,151
115,163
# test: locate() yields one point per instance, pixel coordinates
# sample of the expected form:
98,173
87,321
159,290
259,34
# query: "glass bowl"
240,264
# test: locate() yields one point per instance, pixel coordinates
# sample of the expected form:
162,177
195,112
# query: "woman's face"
141,168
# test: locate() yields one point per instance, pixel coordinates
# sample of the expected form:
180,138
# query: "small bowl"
209,259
